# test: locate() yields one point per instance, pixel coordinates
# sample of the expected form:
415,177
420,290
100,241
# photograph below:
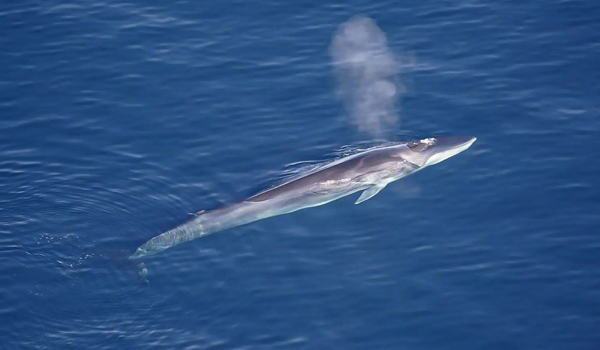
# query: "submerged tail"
136,270
183,233
203,224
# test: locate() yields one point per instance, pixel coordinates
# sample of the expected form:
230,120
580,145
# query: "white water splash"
367,73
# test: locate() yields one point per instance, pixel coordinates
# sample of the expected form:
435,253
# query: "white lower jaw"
442,156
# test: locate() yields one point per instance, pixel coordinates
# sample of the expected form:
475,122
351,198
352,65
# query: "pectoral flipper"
369,193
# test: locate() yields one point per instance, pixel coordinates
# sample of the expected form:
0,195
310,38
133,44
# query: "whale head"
433,150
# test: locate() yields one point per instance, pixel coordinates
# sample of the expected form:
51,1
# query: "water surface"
119,119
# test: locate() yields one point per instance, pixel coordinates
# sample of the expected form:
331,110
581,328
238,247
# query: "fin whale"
369,171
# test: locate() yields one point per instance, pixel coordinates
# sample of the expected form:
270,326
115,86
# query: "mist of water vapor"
367,73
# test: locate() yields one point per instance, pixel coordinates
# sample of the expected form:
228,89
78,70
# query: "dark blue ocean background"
118,119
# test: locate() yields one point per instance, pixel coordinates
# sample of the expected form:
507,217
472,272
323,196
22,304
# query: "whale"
368,172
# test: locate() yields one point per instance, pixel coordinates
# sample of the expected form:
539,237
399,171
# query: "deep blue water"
118,119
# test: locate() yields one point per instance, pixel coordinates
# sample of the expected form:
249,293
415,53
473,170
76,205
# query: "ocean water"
118,119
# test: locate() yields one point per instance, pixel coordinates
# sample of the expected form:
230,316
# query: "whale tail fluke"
136,270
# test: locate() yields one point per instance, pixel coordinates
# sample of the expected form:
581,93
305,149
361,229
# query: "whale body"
369,171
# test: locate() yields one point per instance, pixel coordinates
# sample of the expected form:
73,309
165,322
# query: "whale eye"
412,144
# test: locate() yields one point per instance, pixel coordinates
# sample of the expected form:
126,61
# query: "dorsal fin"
200,212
